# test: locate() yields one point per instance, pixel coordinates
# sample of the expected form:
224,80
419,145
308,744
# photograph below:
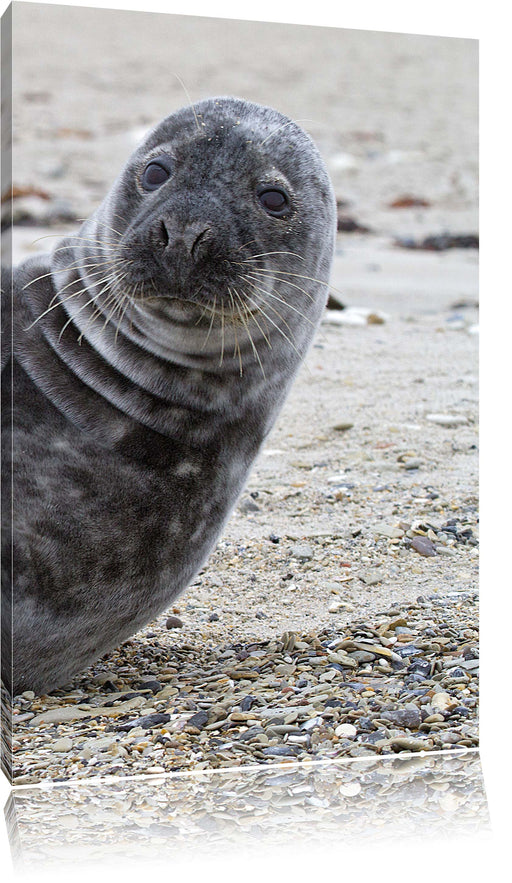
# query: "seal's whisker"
60,302
299,276
58,293
69,267
113,296
182,84
54,306
246,244
89,275
103,224
211,322
72,317
270,274
280,299
222,336
241,310
237,345
265,254
105,241
251,315
96,315
117,299
277,327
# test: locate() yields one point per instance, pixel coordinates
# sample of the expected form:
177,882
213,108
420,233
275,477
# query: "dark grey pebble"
247,703
153,685
213,617
424,546
420,666
409,717
407,650
151,720
249,734
198,720
173,623
279,751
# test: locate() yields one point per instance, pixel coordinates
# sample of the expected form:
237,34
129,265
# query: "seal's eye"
156,173
274,200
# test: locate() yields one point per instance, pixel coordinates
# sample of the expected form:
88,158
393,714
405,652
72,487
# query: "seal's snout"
192,241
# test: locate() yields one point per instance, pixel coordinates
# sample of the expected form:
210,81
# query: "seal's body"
151,355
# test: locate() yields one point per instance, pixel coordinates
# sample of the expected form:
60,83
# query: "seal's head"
221,227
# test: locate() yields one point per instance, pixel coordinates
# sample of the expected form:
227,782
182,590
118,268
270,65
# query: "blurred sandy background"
393,114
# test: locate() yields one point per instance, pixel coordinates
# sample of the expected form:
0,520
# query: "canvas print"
239,380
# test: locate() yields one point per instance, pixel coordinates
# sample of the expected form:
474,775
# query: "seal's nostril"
197,242
164,236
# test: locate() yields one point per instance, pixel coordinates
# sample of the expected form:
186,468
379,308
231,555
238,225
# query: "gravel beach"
338,615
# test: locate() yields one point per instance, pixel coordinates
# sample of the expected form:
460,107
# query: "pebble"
173,622
448,420
424,546
413,463
388,530
64,744
370,577
346,731
409,717
302,552
343,426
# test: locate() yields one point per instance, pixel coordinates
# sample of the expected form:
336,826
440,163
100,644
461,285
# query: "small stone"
278,751
64,744
335,607
147,722
409,717
302,552
213,617
408,744
248,505
362,656
447,420
173,622
413,463
198,720
153,685
312,723
351,789
343,426
387,530
370,577
346,731
424,546
443,701
29,694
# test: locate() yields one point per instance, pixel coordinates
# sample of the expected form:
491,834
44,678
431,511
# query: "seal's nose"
194,239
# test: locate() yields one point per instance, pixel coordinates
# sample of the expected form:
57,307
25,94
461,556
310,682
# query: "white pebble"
347,731
350,789
64,744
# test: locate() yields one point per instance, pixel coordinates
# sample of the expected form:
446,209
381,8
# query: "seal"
152,353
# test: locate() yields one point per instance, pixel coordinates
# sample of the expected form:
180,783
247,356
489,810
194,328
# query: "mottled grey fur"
152,353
